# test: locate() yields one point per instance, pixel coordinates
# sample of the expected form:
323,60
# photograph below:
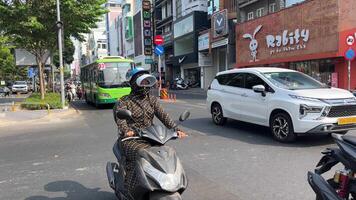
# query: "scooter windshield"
158,134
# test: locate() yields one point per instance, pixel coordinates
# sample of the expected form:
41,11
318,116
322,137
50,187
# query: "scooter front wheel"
165,196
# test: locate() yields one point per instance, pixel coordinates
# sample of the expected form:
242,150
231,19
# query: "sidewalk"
22,117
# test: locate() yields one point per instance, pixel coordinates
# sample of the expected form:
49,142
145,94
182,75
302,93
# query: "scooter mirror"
123,114
184,116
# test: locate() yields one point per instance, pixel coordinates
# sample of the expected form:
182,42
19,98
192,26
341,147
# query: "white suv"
287,101
20,87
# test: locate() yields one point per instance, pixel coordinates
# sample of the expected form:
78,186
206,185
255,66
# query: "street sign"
30,73
350,40
350,54
158,40
159,50
148,61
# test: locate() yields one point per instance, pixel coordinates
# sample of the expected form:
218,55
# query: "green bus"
104,81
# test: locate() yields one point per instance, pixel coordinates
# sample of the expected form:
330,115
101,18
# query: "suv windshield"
114,74
20,83
293,80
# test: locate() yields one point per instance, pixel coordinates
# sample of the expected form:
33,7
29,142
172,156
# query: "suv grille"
342,111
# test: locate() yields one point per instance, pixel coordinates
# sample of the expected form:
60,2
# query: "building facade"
311,37
111,28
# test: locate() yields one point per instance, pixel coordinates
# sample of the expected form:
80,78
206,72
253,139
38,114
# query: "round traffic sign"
350,40
350,54
158,40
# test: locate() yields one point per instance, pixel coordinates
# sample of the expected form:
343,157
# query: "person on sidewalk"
143,107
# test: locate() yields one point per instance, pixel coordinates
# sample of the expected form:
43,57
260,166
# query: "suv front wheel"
282,128
217,115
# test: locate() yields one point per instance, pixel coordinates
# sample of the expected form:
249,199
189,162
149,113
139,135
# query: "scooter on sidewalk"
160,173
343,185
180,84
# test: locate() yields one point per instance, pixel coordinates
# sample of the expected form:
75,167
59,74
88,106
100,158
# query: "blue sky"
290,2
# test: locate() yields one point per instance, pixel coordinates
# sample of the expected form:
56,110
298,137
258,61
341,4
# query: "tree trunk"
42,85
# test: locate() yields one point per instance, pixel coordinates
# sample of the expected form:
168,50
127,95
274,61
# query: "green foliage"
8,70
68,52
32,24
35,102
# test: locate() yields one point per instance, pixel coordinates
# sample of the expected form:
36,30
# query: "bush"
53,99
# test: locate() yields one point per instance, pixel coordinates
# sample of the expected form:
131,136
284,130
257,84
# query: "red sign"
334,80
101,66
158,40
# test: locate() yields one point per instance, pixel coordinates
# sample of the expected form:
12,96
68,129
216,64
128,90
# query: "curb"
44,119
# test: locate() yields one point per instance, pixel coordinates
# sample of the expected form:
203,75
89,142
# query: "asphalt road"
66,160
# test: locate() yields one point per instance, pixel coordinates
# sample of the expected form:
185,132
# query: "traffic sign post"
349,55
158,40
159,50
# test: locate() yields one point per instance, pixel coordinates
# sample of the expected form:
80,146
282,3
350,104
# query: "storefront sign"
220,26
128,28
290,35
288,41
147,27
203,41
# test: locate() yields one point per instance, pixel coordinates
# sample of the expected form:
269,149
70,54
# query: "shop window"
250,16
260,12
272,7
184,45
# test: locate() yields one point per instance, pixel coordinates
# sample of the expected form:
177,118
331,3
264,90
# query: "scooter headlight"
168,182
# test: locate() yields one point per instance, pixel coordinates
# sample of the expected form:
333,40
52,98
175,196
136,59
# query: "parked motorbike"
180,84
343,185
159,170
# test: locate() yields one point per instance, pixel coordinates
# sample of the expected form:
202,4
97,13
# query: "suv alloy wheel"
217,115
282,128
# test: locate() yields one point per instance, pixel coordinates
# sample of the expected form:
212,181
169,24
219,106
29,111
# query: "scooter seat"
349,139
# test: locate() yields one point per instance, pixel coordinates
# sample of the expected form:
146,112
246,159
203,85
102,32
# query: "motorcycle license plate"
348,120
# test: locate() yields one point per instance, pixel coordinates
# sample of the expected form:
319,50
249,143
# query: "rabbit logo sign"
253,43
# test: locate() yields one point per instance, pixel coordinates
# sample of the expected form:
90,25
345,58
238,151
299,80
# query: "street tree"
32,24
7,62
68,52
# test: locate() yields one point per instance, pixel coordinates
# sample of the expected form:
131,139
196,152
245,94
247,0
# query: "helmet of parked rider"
141,77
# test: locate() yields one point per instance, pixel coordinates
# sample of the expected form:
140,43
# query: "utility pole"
60,29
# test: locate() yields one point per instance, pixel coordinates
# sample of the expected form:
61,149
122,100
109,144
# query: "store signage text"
147,32
288,41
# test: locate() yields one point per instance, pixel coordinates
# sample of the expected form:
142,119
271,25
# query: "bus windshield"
114,74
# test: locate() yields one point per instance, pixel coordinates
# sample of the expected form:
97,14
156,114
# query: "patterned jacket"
143,111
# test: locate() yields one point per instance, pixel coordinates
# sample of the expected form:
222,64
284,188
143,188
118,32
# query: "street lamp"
60,28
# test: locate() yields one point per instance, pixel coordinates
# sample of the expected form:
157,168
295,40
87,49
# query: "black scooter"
343,185
160,173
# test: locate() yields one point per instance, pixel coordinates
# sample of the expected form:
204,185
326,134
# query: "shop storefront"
300,39
185,36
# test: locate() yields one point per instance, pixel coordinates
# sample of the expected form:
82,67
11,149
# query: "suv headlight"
304,98
306,109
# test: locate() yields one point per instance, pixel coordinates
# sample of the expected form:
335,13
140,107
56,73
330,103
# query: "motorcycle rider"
143,107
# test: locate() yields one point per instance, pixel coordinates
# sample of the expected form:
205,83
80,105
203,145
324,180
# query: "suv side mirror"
184,116
259,89
123,114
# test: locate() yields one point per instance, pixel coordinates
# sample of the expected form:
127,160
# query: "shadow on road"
73,191
251,133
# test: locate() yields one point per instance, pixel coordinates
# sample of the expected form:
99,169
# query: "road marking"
37,163
82,169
